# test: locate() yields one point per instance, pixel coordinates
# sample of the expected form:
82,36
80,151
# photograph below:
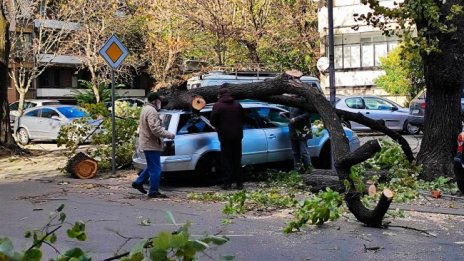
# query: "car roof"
52,106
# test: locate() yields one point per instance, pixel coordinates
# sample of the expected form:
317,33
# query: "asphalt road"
110,205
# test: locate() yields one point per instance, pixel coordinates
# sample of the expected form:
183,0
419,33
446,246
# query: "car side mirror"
57,118
394,108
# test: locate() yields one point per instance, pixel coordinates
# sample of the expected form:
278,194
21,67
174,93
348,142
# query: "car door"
356,105
380,109
50,123
275,127
254,143
30,121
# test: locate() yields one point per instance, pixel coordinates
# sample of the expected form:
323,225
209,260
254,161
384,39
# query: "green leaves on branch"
318,209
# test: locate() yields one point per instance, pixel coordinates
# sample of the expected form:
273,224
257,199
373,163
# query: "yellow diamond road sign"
114,52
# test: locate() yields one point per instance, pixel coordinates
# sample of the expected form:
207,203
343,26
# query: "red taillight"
423,105
168,148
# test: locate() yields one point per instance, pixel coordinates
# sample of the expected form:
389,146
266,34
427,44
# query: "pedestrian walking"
299,129
151,134
227,117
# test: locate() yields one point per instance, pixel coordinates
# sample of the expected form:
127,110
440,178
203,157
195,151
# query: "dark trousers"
301,156
231,161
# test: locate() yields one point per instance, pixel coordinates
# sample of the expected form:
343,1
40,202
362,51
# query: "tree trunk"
444,79
22,96
6,138
289,83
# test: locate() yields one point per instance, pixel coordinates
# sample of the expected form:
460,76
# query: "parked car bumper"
416,120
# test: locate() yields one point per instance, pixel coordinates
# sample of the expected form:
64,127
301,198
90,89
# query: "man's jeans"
300,154
153,170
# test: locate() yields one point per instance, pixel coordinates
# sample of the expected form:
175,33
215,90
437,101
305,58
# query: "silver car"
28,104
265,139
44,122
377,108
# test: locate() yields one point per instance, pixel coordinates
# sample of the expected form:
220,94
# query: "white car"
14,107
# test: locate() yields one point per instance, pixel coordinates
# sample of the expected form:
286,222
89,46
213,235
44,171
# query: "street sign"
114,52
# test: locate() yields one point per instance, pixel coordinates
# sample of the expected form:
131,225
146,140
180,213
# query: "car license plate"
415,111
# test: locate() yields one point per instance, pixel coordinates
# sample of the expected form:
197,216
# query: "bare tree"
97,20
35,42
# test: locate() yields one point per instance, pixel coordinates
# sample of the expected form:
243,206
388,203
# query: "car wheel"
23,136
208,166
346,124
411,129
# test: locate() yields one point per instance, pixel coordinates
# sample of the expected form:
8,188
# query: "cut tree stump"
82,166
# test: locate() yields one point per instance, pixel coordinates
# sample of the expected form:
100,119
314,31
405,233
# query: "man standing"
151,134
300,131
227,117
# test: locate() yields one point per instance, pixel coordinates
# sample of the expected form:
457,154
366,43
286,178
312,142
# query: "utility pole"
331,53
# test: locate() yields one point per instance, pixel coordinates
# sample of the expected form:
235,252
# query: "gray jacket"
151,131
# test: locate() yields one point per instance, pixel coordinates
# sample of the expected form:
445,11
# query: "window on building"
361,50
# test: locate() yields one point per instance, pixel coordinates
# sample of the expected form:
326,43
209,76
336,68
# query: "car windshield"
72,112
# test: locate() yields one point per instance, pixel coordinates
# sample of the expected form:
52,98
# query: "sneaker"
139,188
157,195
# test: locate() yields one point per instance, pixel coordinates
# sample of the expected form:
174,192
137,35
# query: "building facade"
357,51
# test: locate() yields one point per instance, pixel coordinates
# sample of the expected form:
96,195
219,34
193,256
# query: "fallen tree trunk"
320,179
289,83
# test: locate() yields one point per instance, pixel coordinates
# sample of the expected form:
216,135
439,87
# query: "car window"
165,119
14,106
51,103
191,123
355,103
48,113
34,113
277,117
256,118
28,105
377,104
71,112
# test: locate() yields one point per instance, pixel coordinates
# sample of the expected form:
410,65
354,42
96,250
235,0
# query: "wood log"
82,166
198,103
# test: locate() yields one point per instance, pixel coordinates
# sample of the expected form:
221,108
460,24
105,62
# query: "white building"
357,52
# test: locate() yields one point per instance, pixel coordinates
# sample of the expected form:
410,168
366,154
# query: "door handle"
272,136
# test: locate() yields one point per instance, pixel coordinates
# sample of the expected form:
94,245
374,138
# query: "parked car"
417,109
44,122
196,145
28,104
377,108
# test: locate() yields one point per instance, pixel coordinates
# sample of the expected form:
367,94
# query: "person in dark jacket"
299,129
227,117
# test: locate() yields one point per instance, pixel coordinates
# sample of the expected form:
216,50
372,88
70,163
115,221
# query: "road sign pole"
114,53
113,126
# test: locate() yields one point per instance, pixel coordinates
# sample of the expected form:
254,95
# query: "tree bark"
444,79
320,179
6,137
289,83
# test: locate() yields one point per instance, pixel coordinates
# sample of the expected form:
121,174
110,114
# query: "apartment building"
61,78
357,52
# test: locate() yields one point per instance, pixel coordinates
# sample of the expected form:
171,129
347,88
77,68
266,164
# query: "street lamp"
331,53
